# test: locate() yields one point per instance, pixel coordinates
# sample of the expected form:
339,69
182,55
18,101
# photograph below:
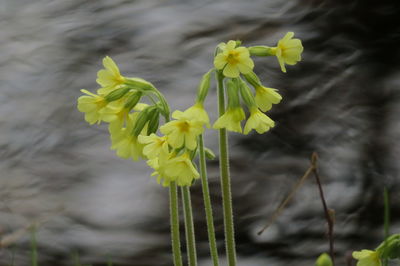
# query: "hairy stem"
225,178
207,203
176,245
189,226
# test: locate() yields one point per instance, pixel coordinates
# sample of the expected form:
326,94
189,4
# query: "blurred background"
342,101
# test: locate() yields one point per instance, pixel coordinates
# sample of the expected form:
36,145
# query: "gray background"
342,101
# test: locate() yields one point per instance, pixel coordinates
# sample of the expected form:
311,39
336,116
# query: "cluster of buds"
234,63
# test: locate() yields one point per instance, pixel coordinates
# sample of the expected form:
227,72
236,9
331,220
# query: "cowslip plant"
134,108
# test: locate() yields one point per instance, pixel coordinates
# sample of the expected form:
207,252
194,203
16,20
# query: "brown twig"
282,206
329,213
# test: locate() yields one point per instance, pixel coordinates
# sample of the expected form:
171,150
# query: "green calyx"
233,94
154,121
246,94
204,86
253,79
117,94
133,100
142,119
261,50
139,83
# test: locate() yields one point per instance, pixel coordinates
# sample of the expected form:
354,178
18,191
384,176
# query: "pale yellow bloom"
367,257
197,112
124,142
109,77
231,120
114,113
233,60
265,97
158,164
288,51
181,170
91,104
182,131
258,121
154,145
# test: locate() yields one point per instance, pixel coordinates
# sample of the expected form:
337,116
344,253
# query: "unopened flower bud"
209,153
233,94
117,94
203,87
142,120
262,50
246,94
154,120
324,260
133,100
139,83
253,79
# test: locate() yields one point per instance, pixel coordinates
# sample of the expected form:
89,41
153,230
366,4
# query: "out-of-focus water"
342,101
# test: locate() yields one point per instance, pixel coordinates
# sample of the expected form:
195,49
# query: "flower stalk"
225,178
174,215
189,226
207,203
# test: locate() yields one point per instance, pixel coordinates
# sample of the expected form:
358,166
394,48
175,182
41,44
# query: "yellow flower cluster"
132,124
233,61
116,103
170,155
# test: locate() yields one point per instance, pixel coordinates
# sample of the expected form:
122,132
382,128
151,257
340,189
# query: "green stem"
189,226
176,245
207,203
225,178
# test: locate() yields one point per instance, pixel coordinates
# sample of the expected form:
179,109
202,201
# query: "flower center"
184,126
122,113
101,102
233,58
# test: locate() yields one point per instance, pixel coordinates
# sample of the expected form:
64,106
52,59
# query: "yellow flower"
181,170
158,164
110,77
91,104
367,257
114,113
258,121
154,145
197,112
288,51
124,142
265,97
231,120
233,60
182,131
